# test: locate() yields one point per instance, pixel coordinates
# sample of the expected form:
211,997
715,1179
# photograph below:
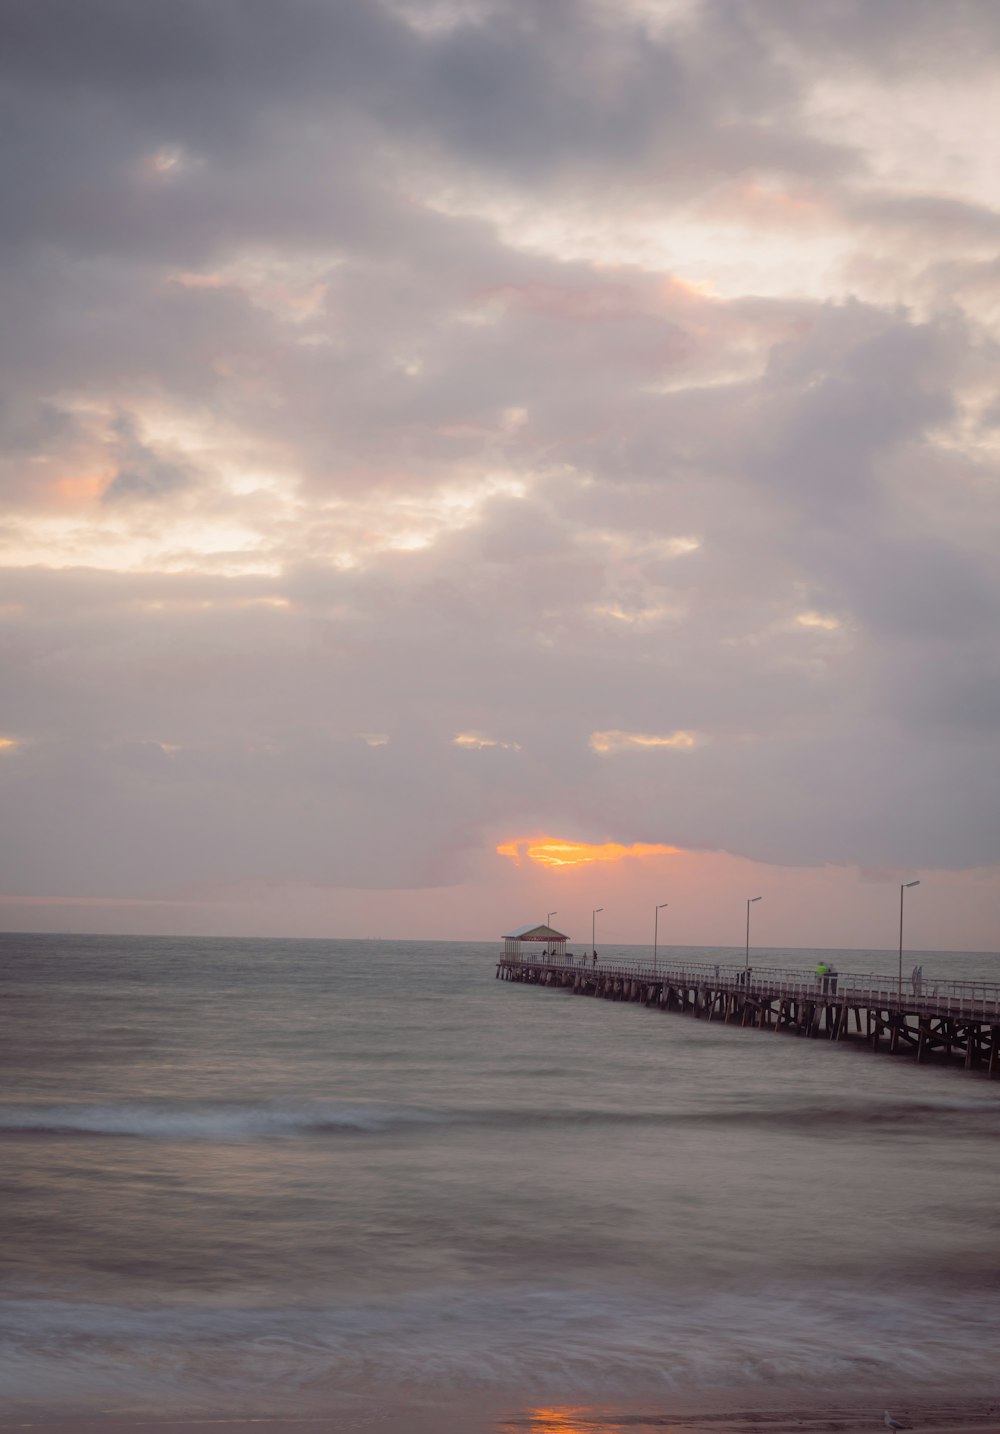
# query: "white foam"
204,1121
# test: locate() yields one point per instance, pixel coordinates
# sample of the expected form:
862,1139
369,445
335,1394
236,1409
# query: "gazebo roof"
535,933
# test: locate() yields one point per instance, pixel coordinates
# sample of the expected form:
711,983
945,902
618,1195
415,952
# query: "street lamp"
550,916
904,886
593,928
656,930
750,902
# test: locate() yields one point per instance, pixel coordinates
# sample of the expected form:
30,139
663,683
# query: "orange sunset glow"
553,851
81,487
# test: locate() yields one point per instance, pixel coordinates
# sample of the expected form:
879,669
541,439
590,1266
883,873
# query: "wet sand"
473,1414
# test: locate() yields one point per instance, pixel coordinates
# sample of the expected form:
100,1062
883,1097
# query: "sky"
465,459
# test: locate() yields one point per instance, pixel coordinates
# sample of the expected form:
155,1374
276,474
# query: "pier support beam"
971,1047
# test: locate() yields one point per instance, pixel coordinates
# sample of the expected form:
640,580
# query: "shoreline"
470,1412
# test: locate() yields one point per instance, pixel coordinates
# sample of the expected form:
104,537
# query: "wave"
236,1121
509,1338
206,1121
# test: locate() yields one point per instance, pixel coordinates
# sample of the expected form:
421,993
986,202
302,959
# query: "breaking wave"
235,1121
216,1121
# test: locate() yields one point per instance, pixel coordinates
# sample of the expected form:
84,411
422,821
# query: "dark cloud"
142,473
934,216
914,37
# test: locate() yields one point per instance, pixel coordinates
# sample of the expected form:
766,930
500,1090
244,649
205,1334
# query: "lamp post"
548,918
904,886
750,902
593,928
656,930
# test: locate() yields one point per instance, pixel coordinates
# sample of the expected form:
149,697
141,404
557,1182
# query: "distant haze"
470,458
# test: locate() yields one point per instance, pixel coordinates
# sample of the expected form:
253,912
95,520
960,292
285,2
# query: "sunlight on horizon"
553,851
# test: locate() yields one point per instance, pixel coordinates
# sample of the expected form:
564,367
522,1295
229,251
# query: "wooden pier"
943,1022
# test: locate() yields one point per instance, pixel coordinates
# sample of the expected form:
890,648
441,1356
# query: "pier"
946,1021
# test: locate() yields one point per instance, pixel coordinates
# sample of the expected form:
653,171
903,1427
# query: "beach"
444,1416
293,1185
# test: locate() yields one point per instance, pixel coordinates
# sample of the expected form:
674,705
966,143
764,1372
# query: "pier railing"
976,1000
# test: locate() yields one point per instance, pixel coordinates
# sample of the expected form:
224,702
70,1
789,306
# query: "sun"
557,852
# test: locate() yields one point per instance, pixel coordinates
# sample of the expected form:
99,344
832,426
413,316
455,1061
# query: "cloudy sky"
465,458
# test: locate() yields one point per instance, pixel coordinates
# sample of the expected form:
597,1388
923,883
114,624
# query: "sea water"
245,1176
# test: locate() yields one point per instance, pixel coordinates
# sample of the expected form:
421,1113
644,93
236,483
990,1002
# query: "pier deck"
943,1021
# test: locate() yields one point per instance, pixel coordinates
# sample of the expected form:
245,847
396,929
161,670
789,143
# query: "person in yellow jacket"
823,975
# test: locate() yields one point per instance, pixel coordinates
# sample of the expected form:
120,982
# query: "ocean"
305,1178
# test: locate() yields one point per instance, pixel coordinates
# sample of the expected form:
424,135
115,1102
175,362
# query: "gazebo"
553,941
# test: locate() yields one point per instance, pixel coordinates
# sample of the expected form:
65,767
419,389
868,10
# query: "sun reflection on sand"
570,1419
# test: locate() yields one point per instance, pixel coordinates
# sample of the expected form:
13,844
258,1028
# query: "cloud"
423,423
621,741
141,472
474,743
